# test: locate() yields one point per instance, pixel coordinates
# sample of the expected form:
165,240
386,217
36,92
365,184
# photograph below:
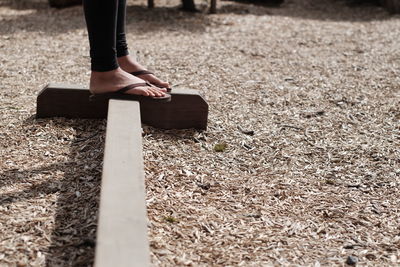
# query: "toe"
157,92
154,80
163,84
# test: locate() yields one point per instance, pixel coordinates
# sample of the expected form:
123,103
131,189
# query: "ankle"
125,59
127,63
105,74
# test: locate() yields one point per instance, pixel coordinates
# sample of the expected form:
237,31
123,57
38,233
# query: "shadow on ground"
74,233
325,10
73,238
39,17
52,21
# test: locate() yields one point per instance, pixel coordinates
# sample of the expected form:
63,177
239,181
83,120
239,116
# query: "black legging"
105,21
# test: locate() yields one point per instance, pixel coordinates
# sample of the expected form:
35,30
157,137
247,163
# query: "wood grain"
122,228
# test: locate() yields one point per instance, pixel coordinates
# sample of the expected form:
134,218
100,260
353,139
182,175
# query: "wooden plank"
187,109
122,227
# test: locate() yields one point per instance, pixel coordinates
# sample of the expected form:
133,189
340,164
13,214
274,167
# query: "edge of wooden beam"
122,228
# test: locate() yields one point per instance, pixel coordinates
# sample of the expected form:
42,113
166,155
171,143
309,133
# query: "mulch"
300,164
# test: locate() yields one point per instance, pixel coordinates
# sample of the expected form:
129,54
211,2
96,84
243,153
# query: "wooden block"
187,109
122,227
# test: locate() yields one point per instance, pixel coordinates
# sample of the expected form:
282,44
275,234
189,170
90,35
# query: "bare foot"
112,81
129,65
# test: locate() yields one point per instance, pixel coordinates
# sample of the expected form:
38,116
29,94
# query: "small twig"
291,126
86,138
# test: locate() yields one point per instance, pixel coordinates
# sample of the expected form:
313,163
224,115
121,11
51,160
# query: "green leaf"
170,219
220,147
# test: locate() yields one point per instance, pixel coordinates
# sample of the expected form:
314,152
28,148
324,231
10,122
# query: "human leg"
128,63
106,76
101,21
121,45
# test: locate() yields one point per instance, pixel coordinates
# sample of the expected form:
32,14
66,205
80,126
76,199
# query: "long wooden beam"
187,108
122,227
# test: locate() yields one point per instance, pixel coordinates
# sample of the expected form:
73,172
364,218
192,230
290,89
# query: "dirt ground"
306,98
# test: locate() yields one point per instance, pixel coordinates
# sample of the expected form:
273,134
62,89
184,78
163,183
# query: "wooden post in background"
150,3
213,7
392,5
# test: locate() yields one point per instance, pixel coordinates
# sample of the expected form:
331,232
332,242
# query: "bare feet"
112,81
129,65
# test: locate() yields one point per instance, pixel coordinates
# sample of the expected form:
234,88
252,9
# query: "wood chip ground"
304,111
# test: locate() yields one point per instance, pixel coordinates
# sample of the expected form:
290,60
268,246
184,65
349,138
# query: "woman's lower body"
111,64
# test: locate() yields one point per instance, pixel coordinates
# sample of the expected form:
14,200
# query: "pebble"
351,260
